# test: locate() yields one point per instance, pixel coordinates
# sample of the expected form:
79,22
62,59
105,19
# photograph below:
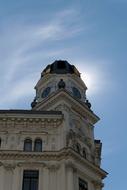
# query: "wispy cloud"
22,44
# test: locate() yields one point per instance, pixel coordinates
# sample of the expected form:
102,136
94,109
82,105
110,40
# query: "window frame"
38,141
30,177
25,148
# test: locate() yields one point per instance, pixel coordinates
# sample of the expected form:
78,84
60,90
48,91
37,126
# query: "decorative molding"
35,124
9,166
64,154
31,163
53,167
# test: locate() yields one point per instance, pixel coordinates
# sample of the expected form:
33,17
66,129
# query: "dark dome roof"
60,67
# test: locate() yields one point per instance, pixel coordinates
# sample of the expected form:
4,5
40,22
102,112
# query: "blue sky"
90,34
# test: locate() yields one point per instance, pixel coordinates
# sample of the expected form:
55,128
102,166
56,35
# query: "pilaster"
45,178
2,173
8,177
70,179
16,182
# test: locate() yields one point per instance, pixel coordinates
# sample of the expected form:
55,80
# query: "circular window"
46,92
76,93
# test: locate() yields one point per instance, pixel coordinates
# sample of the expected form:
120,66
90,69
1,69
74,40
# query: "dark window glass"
84,153
30,180
28,145
83,184
0,142
38,145
78,148
76,93
46,92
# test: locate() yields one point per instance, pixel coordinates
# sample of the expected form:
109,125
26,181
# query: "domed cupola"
60,67
60,76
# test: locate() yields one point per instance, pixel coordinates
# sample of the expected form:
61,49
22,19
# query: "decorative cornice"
31,163
64,154
28,123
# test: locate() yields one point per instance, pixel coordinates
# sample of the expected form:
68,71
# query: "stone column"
61,177
16,182
40,178
45,178
70,178
8,177
52,177
76,179
2,178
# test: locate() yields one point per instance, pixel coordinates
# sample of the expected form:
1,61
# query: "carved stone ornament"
98,184
53,167
9,166
62,107
71,138
88,142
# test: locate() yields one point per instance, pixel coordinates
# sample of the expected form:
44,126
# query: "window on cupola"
45,92
76,92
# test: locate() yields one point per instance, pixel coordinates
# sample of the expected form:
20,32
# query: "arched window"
28,145
84,153
38,145
78,148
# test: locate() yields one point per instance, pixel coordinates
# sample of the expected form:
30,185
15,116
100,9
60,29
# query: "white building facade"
52,146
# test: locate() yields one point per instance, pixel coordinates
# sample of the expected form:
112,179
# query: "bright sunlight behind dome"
93,78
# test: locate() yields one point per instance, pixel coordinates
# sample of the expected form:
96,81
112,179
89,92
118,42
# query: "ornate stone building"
52,146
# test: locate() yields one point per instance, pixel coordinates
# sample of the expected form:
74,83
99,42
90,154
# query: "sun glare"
92,80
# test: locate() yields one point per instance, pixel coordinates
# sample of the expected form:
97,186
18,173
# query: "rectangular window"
30,180
83,184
